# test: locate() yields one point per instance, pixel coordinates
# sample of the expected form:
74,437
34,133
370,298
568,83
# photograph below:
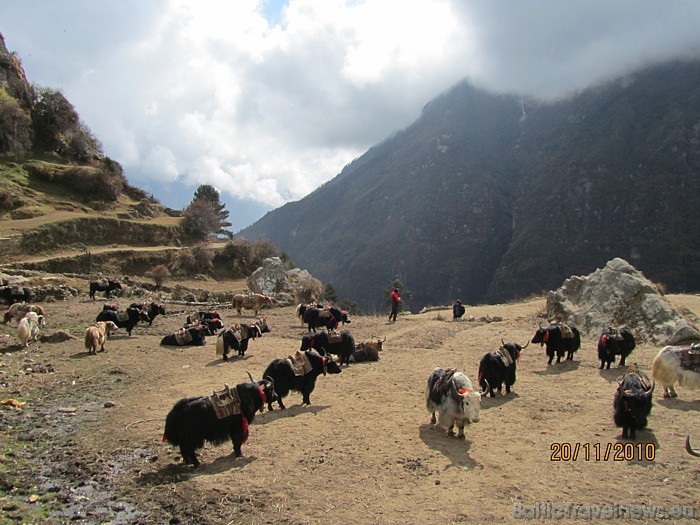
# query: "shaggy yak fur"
153,310
343,348
192,420
134,316
97,286
97,334
19,310
327,318
614,342
557,343
632,403
227,338
494,372
196,337
282,373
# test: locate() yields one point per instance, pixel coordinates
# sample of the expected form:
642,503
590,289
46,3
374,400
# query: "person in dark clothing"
395,302
457,309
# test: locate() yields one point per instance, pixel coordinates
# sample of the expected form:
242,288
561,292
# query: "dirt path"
363,452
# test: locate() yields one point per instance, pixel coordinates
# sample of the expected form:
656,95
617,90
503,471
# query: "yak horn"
524,347
251,377
651,391
503,343
689,449
271,380
488,387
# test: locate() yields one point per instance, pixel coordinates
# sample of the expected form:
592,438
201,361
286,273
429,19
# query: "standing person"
395,301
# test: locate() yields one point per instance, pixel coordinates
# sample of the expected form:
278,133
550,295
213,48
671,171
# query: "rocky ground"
82,434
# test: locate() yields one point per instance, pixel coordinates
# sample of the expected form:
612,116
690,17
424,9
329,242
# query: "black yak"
614,342
153,310
216,418
632,402
191,336
128,319
329,318
499,367
340,343
15,294
560,339
299,373
100,286
238,336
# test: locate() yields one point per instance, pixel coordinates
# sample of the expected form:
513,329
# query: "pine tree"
209,194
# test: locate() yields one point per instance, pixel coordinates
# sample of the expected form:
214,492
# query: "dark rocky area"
490,197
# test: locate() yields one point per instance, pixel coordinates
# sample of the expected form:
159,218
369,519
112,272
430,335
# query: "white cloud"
267,99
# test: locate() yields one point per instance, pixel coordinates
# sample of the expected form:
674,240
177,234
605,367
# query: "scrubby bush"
160,273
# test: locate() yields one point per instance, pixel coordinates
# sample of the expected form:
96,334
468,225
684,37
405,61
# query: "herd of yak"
226,414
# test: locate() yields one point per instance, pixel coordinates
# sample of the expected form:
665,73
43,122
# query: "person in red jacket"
395,301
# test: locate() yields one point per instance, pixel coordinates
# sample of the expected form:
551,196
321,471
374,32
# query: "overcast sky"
268,99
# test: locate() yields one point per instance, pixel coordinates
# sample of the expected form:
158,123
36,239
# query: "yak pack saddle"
226,402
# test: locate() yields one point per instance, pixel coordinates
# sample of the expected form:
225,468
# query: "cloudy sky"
268,99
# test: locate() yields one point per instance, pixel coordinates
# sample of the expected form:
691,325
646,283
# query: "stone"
619,295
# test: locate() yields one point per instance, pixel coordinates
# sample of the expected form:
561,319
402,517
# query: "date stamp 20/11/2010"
565,451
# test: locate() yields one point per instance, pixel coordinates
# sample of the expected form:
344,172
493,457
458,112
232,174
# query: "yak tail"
220,344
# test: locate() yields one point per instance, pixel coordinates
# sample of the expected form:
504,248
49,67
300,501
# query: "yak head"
514,349
469,399
327,362
262,325
540,336
634,398
267,390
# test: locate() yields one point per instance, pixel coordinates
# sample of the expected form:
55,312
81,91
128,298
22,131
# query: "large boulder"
286,286
619,295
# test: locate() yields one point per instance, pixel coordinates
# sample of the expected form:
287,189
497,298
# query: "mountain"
488,197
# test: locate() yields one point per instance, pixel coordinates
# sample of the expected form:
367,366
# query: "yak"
328,318
677,364
127,319
632,402
340,343
193,335
497,368
28,328
223,415
451,394
614,342
301,310
253,301
201,315
153,310
560,339
368,350
15,294
238,336
299,373
100,286
97,334
19,310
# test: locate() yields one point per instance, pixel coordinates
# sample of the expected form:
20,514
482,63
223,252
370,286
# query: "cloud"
268,99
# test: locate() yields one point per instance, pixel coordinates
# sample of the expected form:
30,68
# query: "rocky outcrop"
619,295
286,286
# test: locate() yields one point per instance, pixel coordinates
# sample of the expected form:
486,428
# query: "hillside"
490,197
42,217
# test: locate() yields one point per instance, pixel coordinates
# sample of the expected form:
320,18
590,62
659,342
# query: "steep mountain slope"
488,197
